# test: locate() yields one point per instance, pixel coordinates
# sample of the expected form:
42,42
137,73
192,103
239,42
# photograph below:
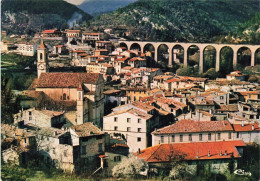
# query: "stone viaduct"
201,47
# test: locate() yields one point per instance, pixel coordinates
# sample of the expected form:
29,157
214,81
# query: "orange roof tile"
246,127
66,80
191,151
191,126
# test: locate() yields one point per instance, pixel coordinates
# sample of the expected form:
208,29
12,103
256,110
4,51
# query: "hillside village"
95,101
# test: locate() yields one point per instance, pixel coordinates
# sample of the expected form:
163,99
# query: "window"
237,134
251,117
139,129
162,139
100,147
117,158
173,138
209,136
83,150
181,138
128,120
219,136
221,97
25,140
115,128
229,135
40,56
200,137
139,139
128,128
139,120
30,113
115,119
190,137
64,96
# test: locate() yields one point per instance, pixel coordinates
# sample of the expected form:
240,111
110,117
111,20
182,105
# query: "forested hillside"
30,16
178,20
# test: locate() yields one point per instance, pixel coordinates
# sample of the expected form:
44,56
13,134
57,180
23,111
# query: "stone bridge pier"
201,48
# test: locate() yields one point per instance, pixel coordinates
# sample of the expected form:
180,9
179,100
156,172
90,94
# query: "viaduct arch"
201,46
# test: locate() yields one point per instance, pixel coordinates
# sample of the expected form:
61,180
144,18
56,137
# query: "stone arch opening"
257,57
209,57
193,53
226,61
149,51
123,45
163,55
243,57
178,54
135,46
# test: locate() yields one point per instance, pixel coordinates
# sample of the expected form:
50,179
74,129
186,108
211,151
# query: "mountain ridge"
175,20
31,16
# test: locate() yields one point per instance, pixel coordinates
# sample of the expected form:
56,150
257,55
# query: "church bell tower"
42,59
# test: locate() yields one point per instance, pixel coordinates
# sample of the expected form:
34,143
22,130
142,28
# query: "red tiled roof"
49,31
122,59
191,126
91,33
66,80
73,31
191,151
42,45
246,127
249,92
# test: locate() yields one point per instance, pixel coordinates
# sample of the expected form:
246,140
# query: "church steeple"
42,59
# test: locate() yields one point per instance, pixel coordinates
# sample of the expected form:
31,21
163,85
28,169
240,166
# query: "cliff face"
178,20
30,16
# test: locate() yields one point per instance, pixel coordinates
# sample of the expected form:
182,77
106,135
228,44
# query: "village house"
249,95
119,63
135,121
73,36
15,143
193,131
211,156
92,36
134,94
88,142
40,118
7,46
236,75
248,132
199,115
27,49
159,81
51,33
59,49
170,105
137,62
53,150
104,45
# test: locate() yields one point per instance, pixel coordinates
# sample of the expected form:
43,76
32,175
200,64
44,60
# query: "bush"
130,167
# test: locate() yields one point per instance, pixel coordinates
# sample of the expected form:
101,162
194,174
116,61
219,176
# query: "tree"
180,171
130,167
184,71
211,73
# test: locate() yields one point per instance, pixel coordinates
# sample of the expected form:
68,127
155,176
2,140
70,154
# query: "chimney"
253,126
209,153
139,151
220,154
242,123
225,153
197,155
